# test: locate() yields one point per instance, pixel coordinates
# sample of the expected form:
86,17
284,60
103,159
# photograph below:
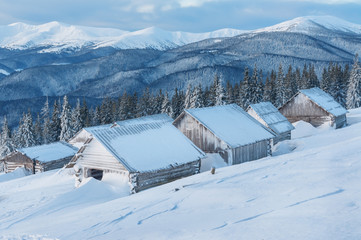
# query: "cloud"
148,8
183,15
194,3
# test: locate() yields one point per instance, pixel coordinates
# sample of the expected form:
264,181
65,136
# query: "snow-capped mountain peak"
60,36
309,24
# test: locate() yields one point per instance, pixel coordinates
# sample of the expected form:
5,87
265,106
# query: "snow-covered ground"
310,189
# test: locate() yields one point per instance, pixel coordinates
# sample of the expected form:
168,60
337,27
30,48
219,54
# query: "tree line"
62,122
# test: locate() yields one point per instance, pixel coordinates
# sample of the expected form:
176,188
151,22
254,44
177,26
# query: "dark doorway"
97,174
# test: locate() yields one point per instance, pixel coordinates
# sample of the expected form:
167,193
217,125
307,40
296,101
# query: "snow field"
311,192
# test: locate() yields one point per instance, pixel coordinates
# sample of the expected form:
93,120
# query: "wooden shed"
269,116
40,158
316,107
149,151
227,130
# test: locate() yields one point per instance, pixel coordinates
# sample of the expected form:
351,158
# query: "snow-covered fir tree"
55,126
353,99
67,130
76,120
188,97
46,128
244,90
177,103
196,98
167,106
38,131
280,88
6,143
219,94
26,136
157,102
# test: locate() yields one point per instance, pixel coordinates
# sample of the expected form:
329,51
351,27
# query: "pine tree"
26,131
196,98
76,120
55,127
123,107
157,103
166,106
219,93
280,88
313,80
46,128
267,95
6,144
96,116
187,97
38,131
84,113
244,90
353,99
289,82
106,111
67,130
144,105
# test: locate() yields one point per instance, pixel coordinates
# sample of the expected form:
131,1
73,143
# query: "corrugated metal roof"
231,124
49,152
147,144
324,100
272,117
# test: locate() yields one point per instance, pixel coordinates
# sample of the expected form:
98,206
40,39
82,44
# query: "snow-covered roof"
272,117
49,152
147,144
324,100
231,124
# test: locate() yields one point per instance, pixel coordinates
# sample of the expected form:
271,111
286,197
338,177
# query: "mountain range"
55,59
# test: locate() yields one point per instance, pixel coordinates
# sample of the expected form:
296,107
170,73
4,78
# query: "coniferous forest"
60,121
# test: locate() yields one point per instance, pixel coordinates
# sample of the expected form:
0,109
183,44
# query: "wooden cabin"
150,151
316,107
40,158
269,116
227,130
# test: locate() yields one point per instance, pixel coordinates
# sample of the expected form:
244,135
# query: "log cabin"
316,107
227,130
269,116
150,151
40,158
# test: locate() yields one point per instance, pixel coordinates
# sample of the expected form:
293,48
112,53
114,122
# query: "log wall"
199,135
96,156
145,180
15,160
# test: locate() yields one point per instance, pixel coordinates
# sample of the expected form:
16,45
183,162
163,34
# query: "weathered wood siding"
278,137
302,108
96,156
282,137
251,152
145,180
51,165
199,135
17,159
209,143
340,121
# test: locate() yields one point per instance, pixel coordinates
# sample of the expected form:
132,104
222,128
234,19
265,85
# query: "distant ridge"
58,36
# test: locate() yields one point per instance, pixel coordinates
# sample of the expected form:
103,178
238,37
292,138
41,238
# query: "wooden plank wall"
199,135
95,156
51,165
302,108
250,152
17,159
145,180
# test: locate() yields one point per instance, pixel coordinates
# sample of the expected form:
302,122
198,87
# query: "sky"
182,15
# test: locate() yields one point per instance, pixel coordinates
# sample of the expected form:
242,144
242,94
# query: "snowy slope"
312,192
312,24
63,36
